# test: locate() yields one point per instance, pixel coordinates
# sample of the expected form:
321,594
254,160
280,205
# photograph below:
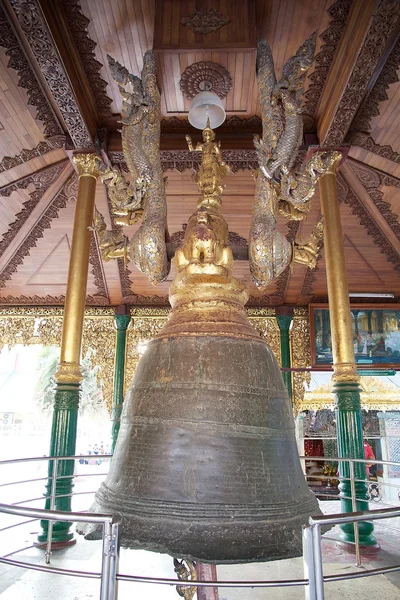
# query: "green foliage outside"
91,400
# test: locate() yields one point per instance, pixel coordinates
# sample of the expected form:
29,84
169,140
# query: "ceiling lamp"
206,105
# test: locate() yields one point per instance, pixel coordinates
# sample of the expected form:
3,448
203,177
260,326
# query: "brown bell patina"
206,465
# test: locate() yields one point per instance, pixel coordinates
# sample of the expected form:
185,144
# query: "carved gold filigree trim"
87,164
375,395
43,325
345,373
300,349
68,373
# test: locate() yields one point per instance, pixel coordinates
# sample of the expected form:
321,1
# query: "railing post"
52,507
318,568
308,563
109,564
354,507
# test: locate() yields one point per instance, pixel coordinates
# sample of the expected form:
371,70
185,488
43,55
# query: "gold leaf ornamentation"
300,346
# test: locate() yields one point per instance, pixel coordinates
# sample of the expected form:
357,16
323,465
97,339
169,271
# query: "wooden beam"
53,13
370,207
369,37
54,72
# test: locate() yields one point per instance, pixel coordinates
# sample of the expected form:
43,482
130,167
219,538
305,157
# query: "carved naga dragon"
280,188
145,196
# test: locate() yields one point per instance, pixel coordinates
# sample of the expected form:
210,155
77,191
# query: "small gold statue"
112,244
186,573
305,252
212,170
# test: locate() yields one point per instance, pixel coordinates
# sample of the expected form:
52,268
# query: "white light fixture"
206,105
369,295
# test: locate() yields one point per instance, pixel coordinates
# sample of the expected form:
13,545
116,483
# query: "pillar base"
55,545
365,550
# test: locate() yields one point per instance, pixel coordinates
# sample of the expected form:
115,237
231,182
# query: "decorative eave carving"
370,108
9,162
349,197
355,300
205,22
183,160
339,13
136,299
42,181
205,76
363,140
59,201
382,25
234,123
371,180
258,302
27,78
48,301
129,296
77,25
97,269
41,43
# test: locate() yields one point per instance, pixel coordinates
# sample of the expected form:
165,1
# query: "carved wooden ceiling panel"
36,125
385,127
19,129
44,270
123,29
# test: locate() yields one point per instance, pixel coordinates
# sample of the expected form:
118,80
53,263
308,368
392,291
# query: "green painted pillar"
69,375
121,321
284,322
63,443
345,378
351,445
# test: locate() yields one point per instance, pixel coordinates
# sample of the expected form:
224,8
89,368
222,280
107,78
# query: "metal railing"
313,580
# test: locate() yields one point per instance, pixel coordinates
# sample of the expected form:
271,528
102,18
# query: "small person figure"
368,453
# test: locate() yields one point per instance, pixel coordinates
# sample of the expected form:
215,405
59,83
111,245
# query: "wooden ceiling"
57,97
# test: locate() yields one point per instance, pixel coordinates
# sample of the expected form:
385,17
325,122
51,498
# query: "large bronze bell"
206,465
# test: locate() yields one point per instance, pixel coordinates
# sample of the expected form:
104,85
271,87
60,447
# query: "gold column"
345,379
69,370
338,292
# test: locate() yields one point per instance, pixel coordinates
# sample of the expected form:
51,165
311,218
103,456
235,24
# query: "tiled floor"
16,584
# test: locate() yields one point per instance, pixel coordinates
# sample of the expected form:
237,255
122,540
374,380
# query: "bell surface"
206,465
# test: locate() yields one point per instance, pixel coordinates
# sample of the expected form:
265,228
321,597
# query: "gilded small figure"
212,170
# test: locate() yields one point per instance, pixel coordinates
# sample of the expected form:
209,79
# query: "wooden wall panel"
286,24
18,129
368,270
385,127
31,166
373,160
170,33
123,29
44,271
10,206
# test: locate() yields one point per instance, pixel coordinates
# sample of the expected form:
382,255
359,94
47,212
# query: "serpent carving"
146,195
280,188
